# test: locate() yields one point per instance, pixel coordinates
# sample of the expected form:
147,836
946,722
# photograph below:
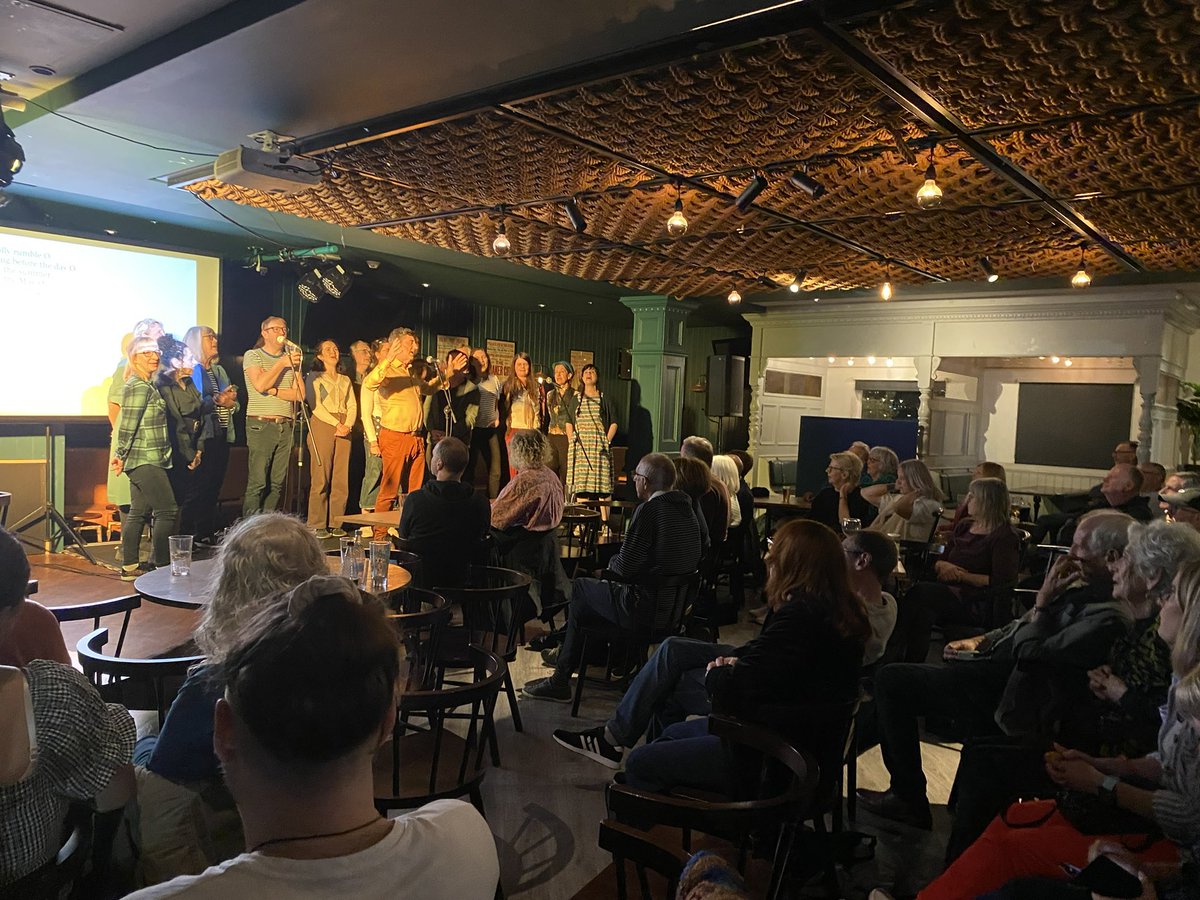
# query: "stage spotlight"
988,269
575,214
750,193
12,156
801,181
310,286
336,282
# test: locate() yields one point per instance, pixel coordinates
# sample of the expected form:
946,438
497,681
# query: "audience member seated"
261,554
882,466
527,513
1122,713
309,696
671,686
1128,800
1182,506
1120,490
714,503
445,522
663,539
27,629
1176,482
982,470
913,509
726,471
809,652
981,558
694,478
1154,477
842,498
1008,682
60,743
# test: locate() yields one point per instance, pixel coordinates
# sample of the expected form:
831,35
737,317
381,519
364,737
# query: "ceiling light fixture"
797,281
988,269
885,290
929,195
1056,360
831,359
501,244
850,361
801,181
889,362
734,297
870,360
336,282
12,156
750,192
575,214
677,225
1067,362
1081,279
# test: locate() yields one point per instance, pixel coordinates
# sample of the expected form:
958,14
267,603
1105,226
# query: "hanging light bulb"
850,361
929,195
831,359
734,297
889,362
885,291
677,225
870,360
1081,279
501,244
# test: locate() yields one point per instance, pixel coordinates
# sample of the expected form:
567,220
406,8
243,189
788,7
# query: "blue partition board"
822,435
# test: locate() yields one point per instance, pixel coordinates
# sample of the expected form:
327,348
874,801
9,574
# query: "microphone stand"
301,423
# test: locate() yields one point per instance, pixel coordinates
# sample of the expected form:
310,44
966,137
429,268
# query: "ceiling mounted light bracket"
989,270
750,192
802,181
575,215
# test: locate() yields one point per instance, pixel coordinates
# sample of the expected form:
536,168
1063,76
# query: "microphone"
286,344
432,361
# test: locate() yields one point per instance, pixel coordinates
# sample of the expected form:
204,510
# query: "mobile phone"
1109,879
961,654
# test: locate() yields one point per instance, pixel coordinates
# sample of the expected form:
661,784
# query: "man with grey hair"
273,391
400,383
1021,677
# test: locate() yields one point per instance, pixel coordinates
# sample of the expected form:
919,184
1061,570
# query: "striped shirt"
224,413
142,437
258,403
489,390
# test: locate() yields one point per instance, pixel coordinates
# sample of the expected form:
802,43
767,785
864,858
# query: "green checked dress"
589,458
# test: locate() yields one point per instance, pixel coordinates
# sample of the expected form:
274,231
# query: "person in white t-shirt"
309,698
871,557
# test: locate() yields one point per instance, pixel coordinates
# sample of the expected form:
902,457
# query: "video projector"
271,171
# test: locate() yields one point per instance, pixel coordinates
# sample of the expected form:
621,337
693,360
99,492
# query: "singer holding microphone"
273,389
591,427
401,382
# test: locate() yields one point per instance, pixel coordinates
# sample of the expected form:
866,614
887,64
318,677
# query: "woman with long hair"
524,401
810,651
1130,800
590,431
913,509
981,555
726,470
560,402
143,452
334,412
485,437
185,426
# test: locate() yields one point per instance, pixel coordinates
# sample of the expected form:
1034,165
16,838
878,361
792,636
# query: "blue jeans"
592,600
668,689
686,754
270,446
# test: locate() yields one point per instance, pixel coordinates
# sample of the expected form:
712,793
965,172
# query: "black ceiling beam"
928,109
701,186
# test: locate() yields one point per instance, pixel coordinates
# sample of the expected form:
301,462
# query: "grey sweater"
1177,800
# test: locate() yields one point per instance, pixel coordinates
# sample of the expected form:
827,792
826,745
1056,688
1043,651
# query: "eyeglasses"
834,469
282,328
640,475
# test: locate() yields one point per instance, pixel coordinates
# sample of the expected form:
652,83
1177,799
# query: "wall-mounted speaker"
725,395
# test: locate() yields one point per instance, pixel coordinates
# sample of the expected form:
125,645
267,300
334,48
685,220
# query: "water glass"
354,566
381,557
181,554
851,526
787,495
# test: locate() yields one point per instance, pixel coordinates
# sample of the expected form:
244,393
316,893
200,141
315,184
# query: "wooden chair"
493,606
97,611
5,502
577,539
775,792
419,765
657,622
126,681
420,617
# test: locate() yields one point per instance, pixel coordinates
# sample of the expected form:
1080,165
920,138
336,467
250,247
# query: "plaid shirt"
81,740
142,438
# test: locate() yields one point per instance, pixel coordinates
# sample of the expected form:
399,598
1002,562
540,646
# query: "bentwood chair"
134,683
491,609
773,792
422,764
97,611
420,617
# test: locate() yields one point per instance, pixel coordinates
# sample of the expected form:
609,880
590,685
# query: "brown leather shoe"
888,806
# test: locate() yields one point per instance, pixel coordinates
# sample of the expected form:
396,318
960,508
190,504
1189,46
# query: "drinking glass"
181,554
346,543
381,556
787,495
354,566
851,526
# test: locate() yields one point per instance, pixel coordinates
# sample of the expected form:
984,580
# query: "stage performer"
220,407
525,401
560,401
334,411
401,382
185,425
485,438
144,454
273,390
590,432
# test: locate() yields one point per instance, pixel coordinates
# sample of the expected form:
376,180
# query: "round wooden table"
192,591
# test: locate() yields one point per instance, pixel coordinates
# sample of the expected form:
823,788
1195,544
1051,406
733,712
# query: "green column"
659,373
